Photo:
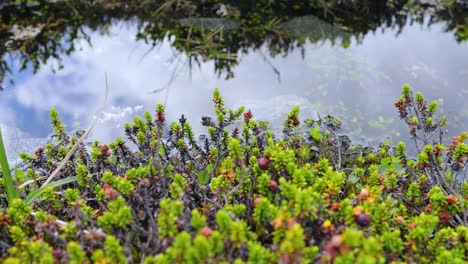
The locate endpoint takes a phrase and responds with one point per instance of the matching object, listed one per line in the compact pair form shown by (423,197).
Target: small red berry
(335,206)
(263,163)
(400,219)
(206,232)
(277,222)
(363,220)
(231,175)
(364,194)
(290,223)
(451,199)
(429,208)
(444,217)
(256,201)
(357,211)
(109,191)
(273,186)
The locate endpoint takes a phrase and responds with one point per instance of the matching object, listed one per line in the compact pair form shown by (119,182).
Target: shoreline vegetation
(240,195)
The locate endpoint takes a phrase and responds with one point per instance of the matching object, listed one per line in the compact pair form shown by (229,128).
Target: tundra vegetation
(241,194)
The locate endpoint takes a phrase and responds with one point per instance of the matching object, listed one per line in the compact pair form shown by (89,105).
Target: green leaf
(203,177)
(383,169)
(361,159)
(345,44)
(353,178)
(315,133)
(36,193)
(386,161)
(19,174)
(12,193)
(448,174)
(399,169)
(161,150)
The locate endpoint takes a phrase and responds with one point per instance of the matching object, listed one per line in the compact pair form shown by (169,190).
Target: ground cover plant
(241,194)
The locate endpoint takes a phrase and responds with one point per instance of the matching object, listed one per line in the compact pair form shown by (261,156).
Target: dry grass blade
(29,182)
(166,6)
(70,153)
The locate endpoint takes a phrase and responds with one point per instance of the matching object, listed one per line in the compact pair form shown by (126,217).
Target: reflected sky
(358,84)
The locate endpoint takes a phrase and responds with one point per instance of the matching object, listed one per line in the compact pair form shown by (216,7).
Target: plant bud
(273,186)
(264,163)
(206,231)
(256,201)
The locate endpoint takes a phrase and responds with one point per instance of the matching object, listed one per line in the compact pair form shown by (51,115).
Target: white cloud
(78,90)
(117,115)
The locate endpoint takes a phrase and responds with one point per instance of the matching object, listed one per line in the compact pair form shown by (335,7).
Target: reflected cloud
(117,114)
(358,83)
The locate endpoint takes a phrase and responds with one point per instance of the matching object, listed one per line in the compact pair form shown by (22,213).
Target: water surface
(357,82)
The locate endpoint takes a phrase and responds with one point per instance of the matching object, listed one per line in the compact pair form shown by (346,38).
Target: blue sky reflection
(358,84)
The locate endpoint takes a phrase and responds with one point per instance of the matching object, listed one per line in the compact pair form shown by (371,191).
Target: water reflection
(330,68)
(219,31)
(358,84)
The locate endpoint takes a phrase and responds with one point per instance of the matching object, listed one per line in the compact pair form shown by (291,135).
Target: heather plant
(244,194)
(13,184)
(443,168)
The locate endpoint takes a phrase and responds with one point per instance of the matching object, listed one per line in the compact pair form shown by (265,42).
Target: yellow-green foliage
(246,197)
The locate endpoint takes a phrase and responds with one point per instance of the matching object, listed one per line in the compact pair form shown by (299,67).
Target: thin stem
(83,137)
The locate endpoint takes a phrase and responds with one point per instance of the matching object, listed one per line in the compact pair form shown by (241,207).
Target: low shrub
(244,194)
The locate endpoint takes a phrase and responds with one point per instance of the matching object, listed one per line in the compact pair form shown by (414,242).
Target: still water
(357,84)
